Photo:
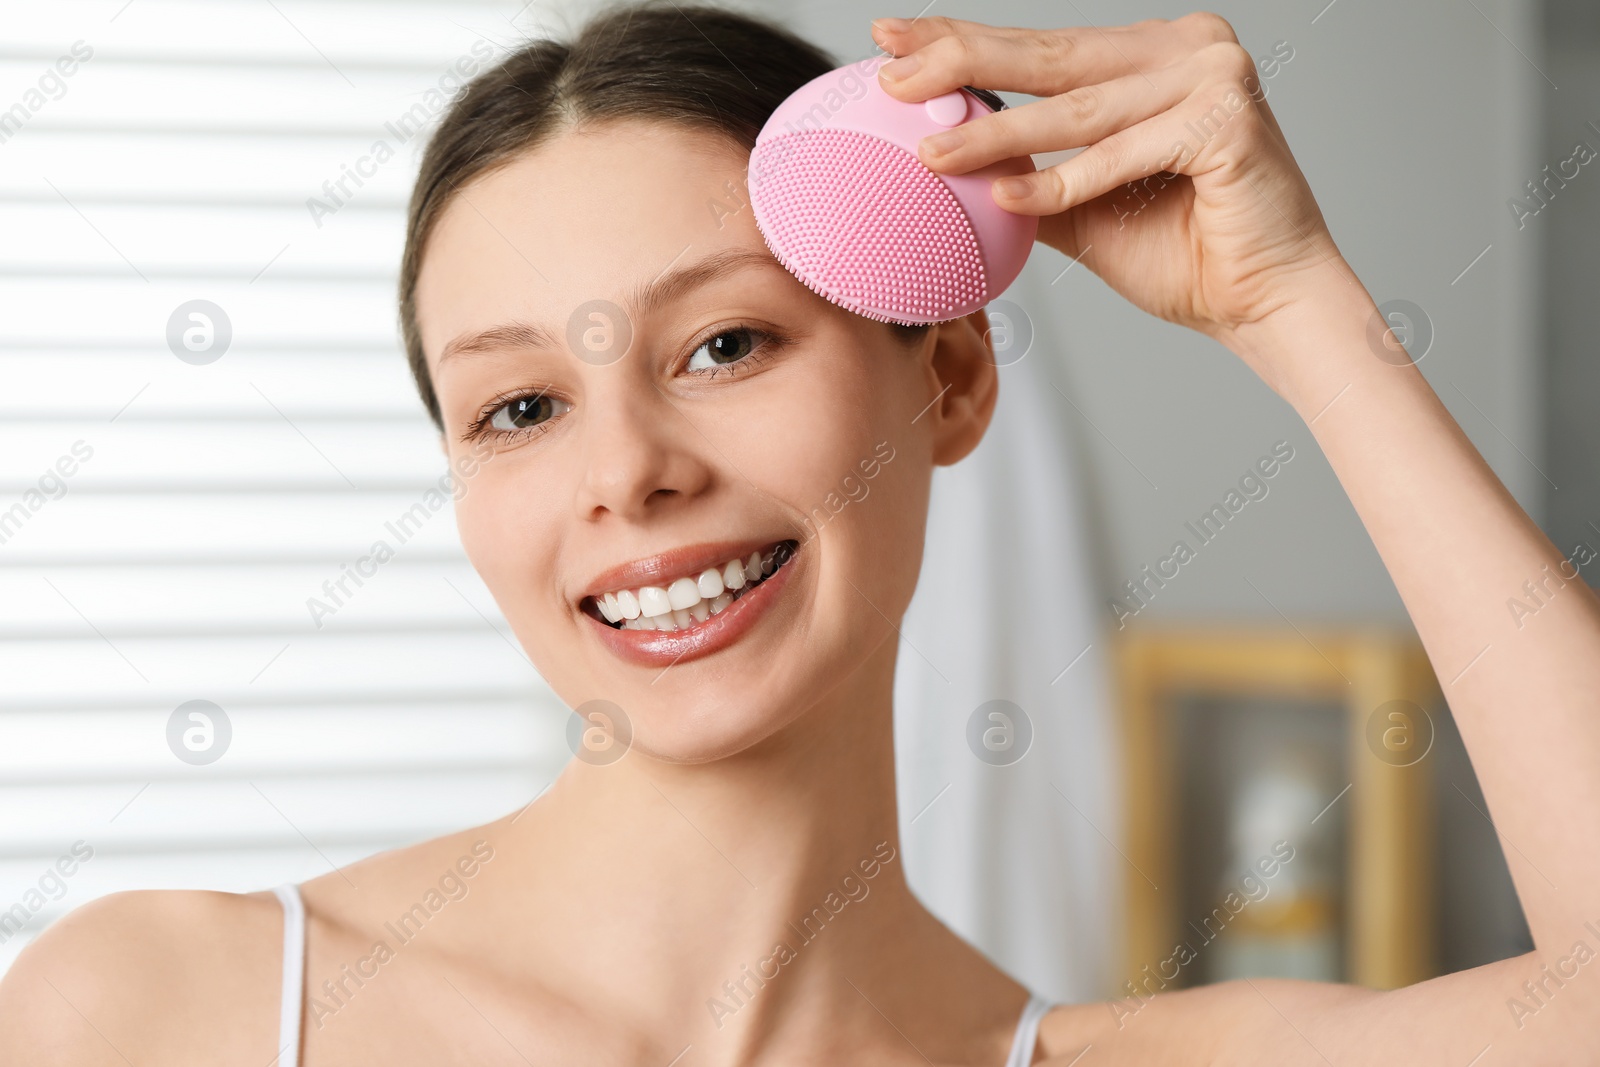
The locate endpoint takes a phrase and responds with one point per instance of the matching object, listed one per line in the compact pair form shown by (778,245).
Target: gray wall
(1414,124)
(1570,279)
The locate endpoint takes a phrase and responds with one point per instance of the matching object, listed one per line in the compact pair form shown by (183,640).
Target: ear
(967,384)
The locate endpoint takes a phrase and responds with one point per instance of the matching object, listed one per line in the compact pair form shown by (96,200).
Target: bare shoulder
(1449,1020)
(156,976)
(182,977)
(1221,1023)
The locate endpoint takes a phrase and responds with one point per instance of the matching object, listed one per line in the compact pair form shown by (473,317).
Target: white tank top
(294,963)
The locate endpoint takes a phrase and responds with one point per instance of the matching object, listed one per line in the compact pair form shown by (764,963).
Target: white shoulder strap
(1027,1031)
(294,950)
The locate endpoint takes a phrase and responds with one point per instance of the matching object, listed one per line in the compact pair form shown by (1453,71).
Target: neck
(736,900)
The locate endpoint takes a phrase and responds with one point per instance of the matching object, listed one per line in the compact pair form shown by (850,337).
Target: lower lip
(662,648)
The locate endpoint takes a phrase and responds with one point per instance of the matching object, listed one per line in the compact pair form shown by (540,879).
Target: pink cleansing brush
(846,206)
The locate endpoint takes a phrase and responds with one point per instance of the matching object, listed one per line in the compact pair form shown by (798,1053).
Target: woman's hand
(1230,239)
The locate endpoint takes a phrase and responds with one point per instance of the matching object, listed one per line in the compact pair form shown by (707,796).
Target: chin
(707,728)
(738,678)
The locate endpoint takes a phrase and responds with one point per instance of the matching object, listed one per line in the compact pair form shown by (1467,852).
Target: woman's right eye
(526,413)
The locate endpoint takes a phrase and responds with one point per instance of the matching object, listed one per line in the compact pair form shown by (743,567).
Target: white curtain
(1020,859)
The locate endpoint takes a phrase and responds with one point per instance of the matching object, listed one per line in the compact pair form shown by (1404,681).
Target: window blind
(170,515)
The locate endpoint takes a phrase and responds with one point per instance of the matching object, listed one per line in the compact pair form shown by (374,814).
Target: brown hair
(698,66)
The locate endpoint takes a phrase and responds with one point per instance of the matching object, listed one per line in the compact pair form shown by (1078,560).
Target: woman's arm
(1526,700)
(1187,201)
(1524,689)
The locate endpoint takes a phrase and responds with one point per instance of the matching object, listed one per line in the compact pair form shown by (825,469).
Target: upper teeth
(686,600)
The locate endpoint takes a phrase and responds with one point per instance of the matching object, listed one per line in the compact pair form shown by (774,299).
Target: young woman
(646,408)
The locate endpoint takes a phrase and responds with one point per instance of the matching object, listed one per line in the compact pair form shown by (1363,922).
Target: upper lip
(663,567)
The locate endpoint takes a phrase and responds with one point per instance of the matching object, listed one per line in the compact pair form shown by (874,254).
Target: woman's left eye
(725,348)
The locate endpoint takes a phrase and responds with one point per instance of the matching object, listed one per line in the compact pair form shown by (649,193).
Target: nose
(641,452)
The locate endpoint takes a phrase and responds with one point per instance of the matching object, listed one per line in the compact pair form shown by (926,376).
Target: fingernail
(1013,187)
(891,25)
(948,141)
(900,69)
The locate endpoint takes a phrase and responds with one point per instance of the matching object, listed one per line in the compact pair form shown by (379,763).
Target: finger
(1183,139)
(950,53)
(1073,119)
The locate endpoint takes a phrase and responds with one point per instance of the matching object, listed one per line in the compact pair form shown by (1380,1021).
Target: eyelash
(767,342)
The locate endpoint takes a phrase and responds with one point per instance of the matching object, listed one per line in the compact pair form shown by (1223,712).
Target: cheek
(884,529)
(820,440)
(811,433)
(476,515)
(506,534)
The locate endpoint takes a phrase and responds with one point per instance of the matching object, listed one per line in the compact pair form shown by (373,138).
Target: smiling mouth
(690,599)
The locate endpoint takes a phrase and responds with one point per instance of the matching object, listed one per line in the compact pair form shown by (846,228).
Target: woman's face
(656,398)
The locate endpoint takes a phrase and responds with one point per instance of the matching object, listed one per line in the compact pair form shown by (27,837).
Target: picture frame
(1385,695)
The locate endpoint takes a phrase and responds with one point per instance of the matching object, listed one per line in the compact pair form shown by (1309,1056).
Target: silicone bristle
(866,225)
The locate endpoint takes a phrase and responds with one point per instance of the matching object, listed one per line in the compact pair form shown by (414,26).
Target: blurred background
(206,420)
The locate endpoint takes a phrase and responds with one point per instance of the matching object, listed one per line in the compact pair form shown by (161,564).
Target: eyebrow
(643,298)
